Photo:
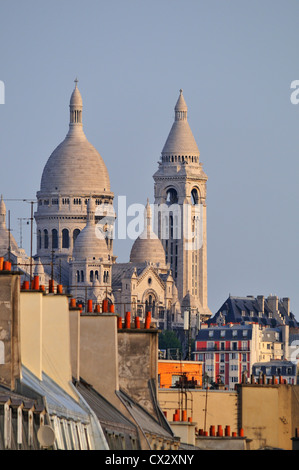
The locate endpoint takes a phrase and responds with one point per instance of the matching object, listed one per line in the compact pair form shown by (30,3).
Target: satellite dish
(46,436)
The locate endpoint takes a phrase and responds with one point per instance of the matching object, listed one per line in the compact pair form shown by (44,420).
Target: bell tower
(180,212)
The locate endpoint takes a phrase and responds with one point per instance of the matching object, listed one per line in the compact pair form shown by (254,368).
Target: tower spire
(76,106)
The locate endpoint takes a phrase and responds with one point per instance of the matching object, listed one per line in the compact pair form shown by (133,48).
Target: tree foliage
(168,339)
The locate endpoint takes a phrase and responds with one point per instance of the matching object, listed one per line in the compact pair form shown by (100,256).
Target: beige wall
(75,341)
(269,414)
(56,341)
(221,406)
(98,354)
(45,337)
(31,304)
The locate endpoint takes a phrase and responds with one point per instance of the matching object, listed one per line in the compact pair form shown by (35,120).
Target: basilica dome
(147,247)
(75,166)
(90,243)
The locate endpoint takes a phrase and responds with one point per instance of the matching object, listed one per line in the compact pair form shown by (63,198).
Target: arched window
(39,239)
(194,196)
(150,304)
(78,276)
(96,274)
(46,239)
(75,234)
(171,196)
(91,276)
(82,276)
(65,238)
(54,238)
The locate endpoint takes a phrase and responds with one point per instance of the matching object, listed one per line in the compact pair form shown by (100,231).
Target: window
(194,197)
(65,238)
(171,196)
(54,238)
(245,332)
(39,240)
(46,239)
(234,346)
(91,276)
(75,234)
(222,358)
(222,333)
(211,333)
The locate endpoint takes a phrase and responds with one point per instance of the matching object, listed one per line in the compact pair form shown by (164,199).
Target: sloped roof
(144,419)
(241,309)
(104,410)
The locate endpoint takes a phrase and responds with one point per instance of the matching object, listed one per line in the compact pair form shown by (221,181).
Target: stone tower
(180,212)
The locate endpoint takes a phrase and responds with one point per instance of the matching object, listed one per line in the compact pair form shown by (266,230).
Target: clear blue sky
(235,61)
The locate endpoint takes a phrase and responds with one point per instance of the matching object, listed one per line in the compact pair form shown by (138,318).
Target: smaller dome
(147,247)
(76,98)
(181,103)
(90,243)
(180,140)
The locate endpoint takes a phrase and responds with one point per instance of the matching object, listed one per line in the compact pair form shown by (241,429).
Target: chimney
(99,359)
(261,303)
(273,303)
(286,304)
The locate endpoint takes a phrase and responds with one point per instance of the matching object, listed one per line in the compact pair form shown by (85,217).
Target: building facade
(229,351)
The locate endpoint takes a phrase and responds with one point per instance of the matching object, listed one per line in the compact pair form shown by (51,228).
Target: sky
(235,61)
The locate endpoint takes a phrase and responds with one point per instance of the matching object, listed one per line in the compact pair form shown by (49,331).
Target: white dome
(180,140)
(75,166)
(147,247)
(90,243)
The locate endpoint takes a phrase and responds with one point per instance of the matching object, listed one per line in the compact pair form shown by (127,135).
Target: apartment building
(230,350)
